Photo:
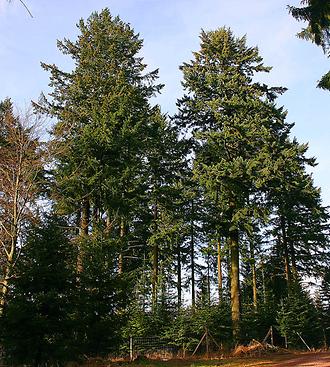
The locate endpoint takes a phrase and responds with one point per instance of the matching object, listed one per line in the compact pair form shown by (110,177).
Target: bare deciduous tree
(20,170)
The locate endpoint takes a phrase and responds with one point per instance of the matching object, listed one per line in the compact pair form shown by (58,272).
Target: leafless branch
(27,9)
(25,6)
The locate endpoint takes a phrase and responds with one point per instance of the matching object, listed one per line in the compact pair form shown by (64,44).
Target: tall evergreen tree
(298,318)
(299,218)
(165,173)
(38,326)
(317,15)
(103,118)
(237,133)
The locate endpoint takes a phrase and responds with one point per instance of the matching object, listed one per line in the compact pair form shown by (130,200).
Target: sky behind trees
(170,31)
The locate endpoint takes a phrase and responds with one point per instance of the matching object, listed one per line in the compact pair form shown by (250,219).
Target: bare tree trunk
(78,222)
(83,232)
(109,222)
(179,282)
(287,269)
(219,264)
(254,275)
(234,286)
(4,290)
(294,270)
(96,217)
(85,214)
(192,258)
(263,282)
(122,232)
(155,255)
(20,164)
(13,234)
(208,278)
(228,264)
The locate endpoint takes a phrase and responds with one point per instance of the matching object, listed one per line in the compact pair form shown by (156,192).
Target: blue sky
(170,30)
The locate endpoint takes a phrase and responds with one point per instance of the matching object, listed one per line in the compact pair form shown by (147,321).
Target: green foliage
(324,82)
(238,136)
(300,219)
(186,330)
(55,316)
(236,128)
(100,299)
(298,316)
(149,201)
(256,322)
(38,324)
(103,116)
(317,15)
(323,305)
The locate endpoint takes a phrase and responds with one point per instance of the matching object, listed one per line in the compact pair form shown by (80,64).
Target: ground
(311,359)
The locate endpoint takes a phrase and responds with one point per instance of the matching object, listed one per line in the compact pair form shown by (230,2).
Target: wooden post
(200,342)
(267,336)
(207,343)
(271,336)
(303,341)
(215,342)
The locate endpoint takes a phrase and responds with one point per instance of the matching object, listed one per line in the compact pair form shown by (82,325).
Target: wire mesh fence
(151,346)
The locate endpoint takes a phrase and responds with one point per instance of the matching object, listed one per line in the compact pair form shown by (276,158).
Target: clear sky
(170,30)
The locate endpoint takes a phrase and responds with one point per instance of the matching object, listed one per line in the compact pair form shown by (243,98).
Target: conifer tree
(103,117)
(317,15)
(165,169)
(300,219)
(235,127)
(39,326)
(297,318)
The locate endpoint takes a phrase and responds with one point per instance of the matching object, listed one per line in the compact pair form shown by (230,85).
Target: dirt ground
(311,359)
(306,360)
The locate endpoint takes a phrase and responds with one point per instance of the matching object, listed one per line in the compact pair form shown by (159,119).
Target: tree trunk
(122,232)
(11,251)
(286,253)
(109,223)
(4,290)
(294,272)
(96,218)
(228,265)
(263,282)
(155,255)
(179,277)
(192,258)
(78,223)
(254,275)
(83,231)
(234,286)
(85,214)
(219,264)
(208,280)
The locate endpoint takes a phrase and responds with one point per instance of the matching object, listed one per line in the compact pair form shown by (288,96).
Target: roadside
(310,359)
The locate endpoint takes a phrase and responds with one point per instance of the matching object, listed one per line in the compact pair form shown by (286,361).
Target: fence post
(271,336)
